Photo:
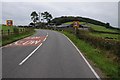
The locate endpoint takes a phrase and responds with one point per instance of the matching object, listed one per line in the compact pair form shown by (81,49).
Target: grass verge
(98,57)
(15,37)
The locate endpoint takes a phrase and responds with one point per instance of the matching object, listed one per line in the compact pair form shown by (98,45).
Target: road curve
(55,58)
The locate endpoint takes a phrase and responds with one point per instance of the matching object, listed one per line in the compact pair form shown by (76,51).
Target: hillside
(64,19)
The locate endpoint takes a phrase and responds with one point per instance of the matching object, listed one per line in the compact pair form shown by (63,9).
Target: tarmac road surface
(47,54)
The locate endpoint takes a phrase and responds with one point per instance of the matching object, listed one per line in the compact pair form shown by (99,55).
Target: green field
(72,23)
(101,28)
(11,28)
(106,36)
(95,27)
(5,28)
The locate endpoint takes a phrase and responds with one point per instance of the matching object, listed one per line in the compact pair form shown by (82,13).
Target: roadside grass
(15,37)
(11,28)
(105,36)
(5,28)
(98,57)
(11,38)
(100,28)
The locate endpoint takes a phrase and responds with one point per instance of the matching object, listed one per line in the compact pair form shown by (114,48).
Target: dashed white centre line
(33,52)
(30,54)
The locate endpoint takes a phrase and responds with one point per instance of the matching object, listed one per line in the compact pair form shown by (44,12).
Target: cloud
(60,0)
(20,11)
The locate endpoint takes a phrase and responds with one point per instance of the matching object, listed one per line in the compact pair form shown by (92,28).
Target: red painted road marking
(29,41)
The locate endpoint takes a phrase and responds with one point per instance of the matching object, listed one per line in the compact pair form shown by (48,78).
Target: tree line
(45,18)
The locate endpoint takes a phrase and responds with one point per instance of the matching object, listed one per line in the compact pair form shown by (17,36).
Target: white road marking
(10,44)
(36,42)
(84,59)
(30,55)
(18,42)
(45,37)
(23,61)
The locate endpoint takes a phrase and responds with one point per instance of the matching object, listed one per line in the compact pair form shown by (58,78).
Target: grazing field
(106,36)
(101,28)
(72,23)
(11,28)
(104,32)
(5,28)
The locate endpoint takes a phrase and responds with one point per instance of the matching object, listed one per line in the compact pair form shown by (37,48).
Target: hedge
(106,44)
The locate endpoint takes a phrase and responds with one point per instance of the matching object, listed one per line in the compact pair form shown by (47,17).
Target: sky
(19,11)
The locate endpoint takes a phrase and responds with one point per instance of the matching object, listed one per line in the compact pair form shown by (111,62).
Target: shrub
(105,44)
(16,30)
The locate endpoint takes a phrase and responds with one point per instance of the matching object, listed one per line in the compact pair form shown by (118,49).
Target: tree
(34,17)
(107,25)
(46,16)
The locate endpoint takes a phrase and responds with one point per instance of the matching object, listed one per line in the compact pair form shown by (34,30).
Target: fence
(14,31)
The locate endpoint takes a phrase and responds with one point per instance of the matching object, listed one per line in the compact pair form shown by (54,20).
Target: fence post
(2,32)
(8,31)
(20,30)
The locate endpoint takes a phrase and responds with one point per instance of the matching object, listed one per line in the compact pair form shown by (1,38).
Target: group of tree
(38,19)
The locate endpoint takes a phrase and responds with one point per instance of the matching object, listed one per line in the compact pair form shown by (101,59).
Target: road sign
(9,22)
(76,24)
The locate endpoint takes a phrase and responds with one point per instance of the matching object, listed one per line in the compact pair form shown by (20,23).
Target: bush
(100,42)
(16,30)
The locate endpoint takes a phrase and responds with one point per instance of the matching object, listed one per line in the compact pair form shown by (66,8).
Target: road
(47,54)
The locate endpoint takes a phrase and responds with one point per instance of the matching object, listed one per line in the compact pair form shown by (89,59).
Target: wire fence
(11,32)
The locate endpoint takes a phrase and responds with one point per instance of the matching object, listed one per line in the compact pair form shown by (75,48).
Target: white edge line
(30,54)
(84,59)
(33,52)
(47,35)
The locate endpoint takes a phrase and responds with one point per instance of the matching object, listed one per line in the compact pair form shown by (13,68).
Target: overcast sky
(20,11)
